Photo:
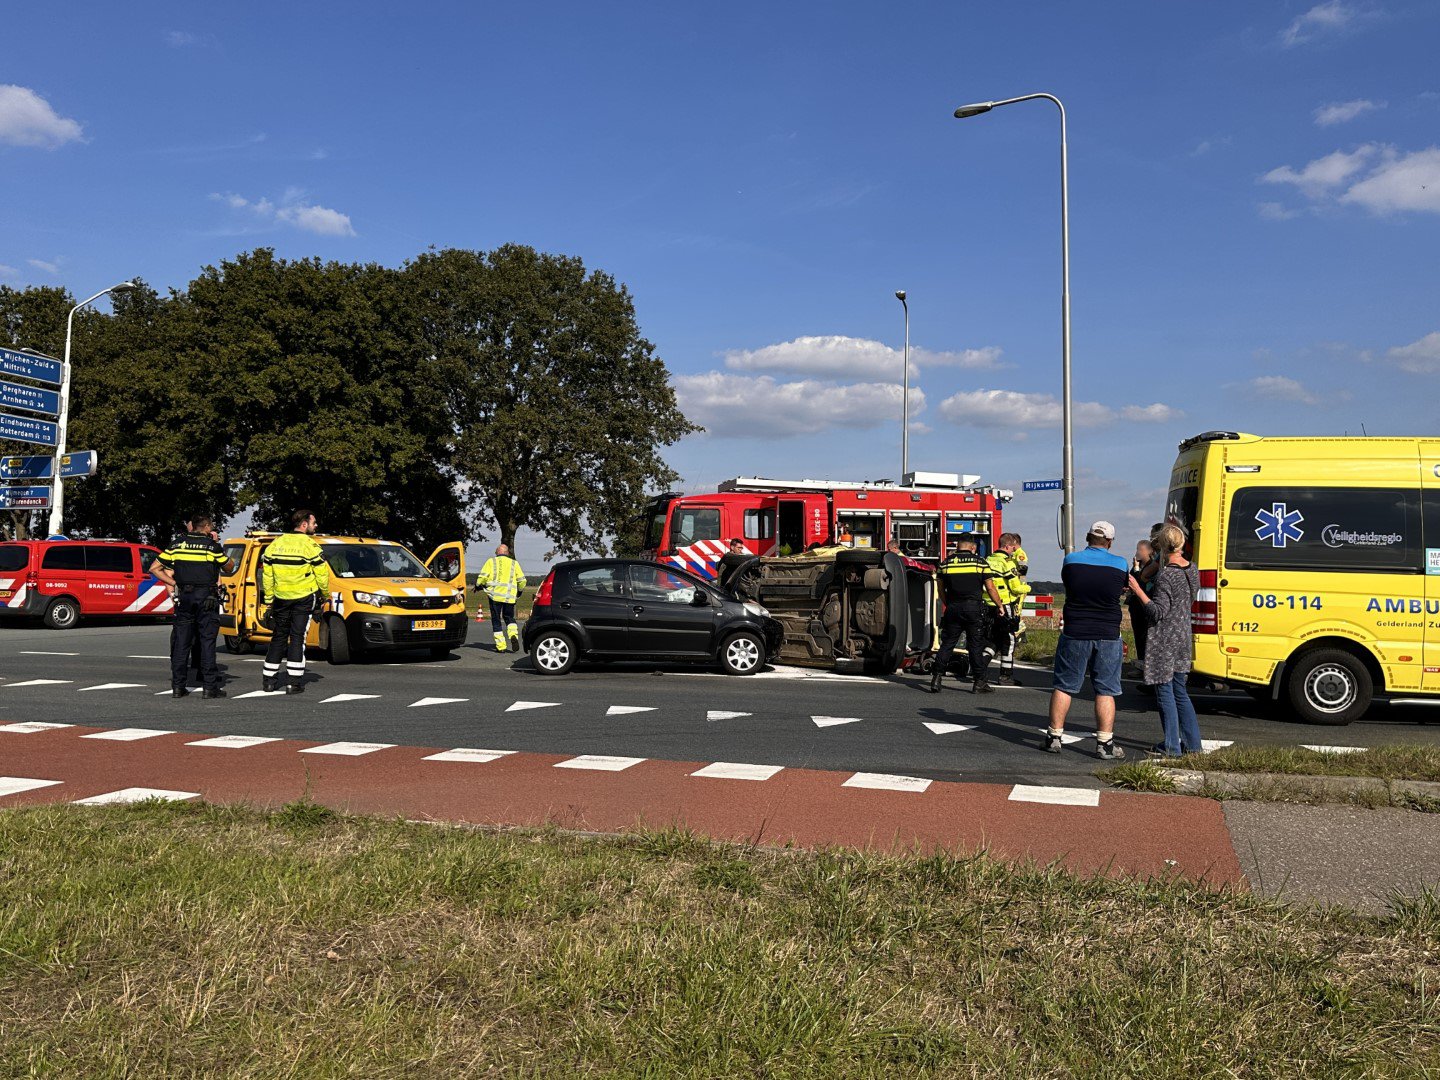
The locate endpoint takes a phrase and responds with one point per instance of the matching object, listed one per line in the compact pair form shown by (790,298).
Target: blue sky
(1255,203)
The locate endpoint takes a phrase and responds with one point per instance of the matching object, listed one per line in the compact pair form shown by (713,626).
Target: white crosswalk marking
(1065,737)
(437,701)
(832,721)
(721,714)
(235,742)
(39,682)
(14,785)
(886,782)
(136,794)
(602,762)
(1056,796)
(127,734)
(348,749)
(42,652)
(337,698)
(626,710)
(1320,749)
(113,686)
(465,753)
(521,706)
(30,727)
(946,729)
(192,689)
(1211,745)
(260,693)
(734,770)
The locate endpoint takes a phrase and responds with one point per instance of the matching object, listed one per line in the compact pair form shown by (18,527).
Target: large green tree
(558,406)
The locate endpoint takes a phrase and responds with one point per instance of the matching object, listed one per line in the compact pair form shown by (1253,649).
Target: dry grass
(1406,762)
(191,940)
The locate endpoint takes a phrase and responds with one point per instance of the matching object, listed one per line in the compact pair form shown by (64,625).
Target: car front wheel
(553,653)
(742,655)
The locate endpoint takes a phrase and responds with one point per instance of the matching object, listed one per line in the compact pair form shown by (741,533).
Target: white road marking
(192,689)
(235,742)
(831,721)
(602,762)
(1066,738)
(139,657)
(786,673)
(14,785)
(465,753)
(721,714)
(1334,749)
(886,782)
(137,794)
(348,749)
(1056,796)
(625,710)
(127,734)
(1211,745)
(946,729)
(260,693)
(30,727)
(521,706)
(335,698)
(39,682)
(113,686)
(437,701)
(734,770)
(42,652)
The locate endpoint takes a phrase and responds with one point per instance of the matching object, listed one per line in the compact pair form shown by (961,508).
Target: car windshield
(373,560)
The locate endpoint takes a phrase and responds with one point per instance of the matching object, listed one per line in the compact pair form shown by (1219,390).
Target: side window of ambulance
(64,557)
(1359,530)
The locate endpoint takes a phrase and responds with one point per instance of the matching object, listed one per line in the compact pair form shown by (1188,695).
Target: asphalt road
(786,717)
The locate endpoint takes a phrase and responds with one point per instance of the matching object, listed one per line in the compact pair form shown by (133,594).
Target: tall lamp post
(1068,531)
(905,394)
(57,504)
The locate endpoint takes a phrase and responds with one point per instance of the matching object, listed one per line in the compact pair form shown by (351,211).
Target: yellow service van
(381,597)
(1319,564)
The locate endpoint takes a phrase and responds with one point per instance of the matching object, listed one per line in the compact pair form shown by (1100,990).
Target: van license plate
(6,594)
(428,624)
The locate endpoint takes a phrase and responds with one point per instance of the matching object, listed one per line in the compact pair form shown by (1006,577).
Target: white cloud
(1157,413)
(835,356)
(743,406)
(1327,18)
(1019,412)
(26,119)
(8,271)
(291,210)
(44,267)
(1419,357)
(1274,211)
(1400,182)
(1280,388)
(1324,173)
(1341,112)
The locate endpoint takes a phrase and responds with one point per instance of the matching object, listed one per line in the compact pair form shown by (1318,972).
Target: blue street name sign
(19,396)
(80,463)
(25,498)
(44,369)
(28,429)
(1043,485)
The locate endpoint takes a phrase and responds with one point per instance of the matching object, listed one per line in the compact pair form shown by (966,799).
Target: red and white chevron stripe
(153,601)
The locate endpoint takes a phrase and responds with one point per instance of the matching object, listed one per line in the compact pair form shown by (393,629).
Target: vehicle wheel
(337,640)
(742,655)
(925,664)
(62,614)
(439,652)
(1329,686)
(234,643)
(553,653)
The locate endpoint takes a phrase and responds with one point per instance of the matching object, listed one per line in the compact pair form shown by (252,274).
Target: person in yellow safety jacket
(503,581)
(1010,583)
(296,582)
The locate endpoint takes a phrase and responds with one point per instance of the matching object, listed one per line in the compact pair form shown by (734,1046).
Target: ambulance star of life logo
(1279,525)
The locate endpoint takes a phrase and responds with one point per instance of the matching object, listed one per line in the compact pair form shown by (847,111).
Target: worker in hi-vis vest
(502,579)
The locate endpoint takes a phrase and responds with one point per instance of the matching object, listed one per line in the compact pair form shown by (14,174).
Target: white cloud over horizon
(1331,17)
(44,265)
(1420,357)
(1280,388)
(1018,412)
(291,210)
(1341,112)
(836,356)
(759,406)
(27,119)
(1375,176)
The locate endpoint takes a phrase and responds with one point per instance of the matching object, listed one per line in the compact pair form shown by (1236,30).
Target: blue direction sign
(28,429)
(24,498)
(19,396)
(44,369)
(1043,485)
(80,463)
(72,466)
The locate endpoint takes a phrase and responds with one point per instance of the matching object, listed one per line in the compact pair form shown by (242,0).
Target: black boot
(935,677)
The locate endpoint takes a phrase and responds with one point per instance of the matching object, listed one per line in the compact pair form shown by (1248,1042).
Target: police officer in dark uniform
(965,577)
(191,567)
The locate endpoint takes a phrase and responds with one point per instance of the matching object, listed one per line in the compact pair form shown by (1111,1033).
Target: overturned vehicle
(853,610)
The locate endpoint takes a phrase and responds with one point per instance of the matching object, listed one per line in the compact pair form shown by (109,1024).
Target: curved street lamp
(57,504)
(965,111)
(905,394)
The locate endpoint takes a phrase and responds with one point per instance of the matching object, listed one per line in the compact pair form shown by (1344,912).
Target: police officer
(297,584)
(502,579)
(191,568)
(965,578)
(1003,617)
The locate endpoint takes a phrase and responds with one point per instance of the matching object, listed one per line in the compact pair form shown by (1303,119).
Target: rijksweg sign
(1042,485)
(44,369)
(28,429)
(19,396)
(24,498)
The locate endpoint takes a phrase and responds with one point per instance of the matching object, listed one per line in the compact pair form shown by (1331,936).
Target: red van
(63,581)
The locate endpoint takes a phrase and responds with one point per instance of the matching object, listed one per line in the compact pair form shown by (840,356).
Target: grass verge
(187,939)
(1384,762)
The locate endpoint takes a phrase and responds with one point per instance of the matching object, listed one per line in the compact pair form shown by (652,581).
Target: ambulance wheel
(742,654)
(337,640)
(62,614)
(1329,686)
(234,643)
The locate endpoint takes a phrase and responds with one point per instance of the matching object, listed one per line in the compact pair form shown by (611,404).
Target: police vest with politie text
(963,577)
(195,562)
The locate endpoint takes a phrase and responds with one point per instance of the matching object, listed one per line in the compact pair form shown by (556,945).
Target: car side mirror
(700,599)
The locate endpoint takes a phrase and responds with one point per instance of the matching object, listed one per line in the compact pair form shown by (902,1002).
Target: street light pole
(57,503)
(905,394)
(1068,530)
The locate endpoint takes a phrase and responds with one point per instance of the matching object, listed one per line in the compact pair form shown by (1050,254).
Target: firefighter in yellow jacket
(503,580)
(296,580)
(1010,583)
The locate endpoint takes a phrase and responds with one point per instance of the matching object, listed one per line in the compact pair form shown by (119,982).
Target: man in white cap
(1095,580)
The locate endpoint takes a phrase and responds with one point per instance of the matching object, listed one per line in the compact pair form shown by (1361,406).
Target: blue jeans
(1178,722)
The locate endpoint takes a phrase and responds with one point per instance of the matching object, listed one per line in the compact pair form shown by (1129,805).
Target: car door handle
(638,609)
(565,604)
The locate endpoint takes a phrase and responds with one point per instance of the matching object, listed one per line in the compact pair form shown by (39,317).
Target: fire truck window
(689,524)
(14,557)
(759,524)
(63,557)
(655,530)
(109,560)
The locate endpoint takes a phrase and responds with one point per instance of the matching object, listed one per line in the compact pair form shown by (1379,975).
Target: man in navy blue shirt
(1095,580)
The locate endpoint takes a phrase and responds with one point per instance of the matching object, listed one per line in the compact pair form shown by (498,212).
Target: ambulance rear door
(1430,493)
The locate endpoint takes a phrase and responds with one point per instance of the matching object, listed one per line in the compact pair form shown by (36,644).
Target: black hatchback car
(618,609)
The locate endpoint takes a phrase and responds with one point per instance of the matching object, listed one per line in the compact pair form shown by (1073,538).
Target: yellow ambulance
(381,597)
(1319,564)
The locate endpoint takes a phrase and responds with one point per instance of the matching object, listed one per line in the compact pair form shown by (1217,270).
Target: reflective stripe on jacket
(195,560)
(1007,578)
(294,567)
(501,578)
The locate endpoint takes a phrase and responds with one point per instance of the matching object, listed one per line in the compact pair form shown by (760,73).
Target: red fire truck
(926,514)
